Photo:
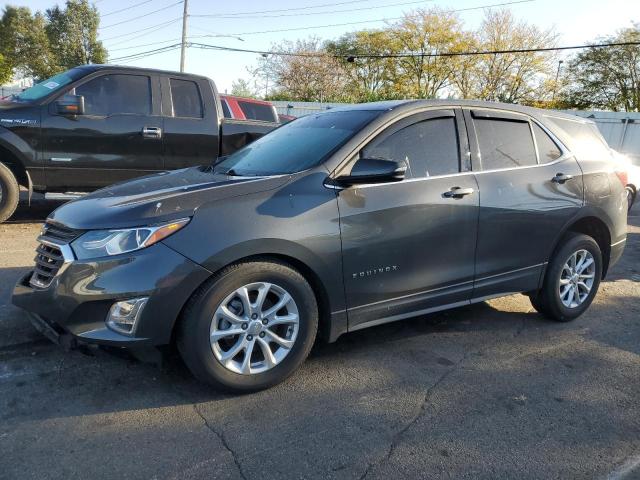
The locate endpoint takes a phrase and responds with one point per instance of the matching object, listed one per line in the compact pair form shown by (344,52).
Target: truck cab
(96,125)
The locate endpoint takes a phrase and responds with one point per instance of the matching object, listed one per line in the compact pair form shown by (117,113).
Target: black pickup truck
(95,125)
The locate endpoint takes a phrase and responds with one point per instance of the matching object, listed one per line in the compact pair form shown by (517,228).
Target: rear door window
(186,99)
(548,150)
(114,94)
(505,143)
(429,148)
(257,111)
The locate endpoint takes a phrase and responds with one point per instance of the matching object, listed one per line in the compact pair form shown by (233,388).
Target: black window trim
(488,113)
(171,112)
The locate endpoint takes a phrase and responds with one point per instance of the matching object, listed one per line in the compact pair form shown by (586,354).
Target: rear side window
(505,143)
(225,109)
(257,111)
(186,99)
(584,139)
(548,151)
(429,148)
(116,94)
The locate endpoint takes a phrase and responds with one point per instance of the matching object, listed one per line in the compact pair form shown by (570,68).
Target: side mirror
(70,105)
(373,170)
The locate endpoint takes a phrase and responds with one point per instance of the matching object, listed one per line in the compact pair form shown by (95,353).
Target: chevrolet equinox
(333,223)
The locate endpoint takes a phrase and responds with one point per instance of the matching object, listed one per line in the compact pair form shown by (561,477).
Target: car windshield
(297,146)
(46,87)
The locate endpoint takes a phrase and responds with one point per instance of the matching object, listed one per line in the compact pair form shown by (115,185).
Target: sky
(246,24)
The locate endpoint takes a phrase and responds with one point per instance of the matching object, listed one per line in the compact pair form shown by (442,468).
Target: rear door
(119,136)
(409,246)
(530,188)
(191,125)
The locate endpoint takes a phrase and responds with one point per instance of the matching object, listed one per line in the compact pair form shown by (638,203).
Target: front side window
(429,148)
(186,99)
(257,111)
(115,94)
(505,143)
(298,145)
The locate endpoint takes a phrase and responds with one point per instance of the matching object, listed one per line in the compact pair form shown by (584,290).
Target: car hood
(157,198)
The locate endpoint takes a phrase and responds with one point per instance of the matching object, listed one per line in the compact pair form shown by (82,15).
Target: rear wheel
(9,193)
(572,279)
(249,327)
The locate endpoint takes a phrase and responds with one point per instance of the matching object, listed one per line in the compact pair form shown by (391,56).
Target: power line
(148,53)
(503,4)
(235,17)
(414,54)
(102,15)
(157,27)
(132,19)
(295,8)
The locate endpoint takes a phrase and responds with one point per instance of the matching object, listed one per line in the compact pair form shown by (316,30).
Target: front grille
(48,260)
(58,232)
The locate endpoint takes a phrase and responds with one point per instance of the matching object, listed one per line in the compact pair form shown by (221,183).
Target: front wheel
(572,279)
(249,327)
(9,193)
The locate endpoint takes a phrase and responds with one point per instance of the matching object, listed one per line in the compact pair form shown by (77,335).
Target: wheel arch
(14,154)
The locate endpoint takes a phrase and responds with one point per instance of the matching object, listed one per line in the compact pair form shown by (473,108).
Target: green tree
(242,88)
(6,72)
(606,78)
(73,34)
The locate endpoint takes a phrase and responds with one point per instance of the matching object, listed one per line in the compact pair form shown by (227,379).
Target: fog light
(124,315)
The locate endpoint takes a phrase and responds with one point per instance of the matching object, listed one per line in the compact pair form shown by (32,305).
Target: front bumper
(74,307)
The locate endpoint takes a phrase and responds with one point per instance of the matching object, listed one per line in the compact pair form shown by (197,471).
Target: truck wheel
(572,279)
(249,327)
(9,193)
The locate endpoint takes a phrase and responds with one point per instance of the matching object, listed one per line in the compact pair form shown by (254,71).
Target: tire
(631,197)
(548,300)
(204,317)
(9,193)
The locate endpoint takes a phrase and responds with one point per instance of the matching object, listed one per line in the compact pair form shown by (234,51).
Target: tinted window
(547,148)
(429,148)
(505,143)
(116,94)
(298,145)
(584,139)
(225,109)
(257,111)
(185,96)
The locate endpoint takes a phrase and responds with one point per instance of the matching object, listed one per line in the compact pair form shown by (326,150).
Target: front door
(409,246)
(530,189)
(119,136)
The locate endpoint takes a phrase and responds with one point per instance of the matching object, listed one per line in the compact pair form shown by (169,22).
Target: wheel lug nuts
(249,337)
(261,334)
(245,326)
(254,316)
(265,321)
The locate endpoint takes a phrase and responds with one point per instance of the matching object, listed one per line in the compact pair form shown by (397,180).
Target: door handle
(561,178)
(457,192)
(152,132)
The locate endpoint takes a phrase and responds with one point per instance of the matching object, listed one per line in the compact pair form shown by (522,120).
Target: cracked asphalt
(487,391)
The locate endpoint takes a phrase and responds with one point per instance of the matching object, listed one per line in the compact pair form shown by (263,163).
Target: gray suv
(333,223)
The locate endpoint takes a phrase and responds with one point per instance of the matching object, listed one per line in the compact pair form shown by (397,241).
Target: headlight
(103,243)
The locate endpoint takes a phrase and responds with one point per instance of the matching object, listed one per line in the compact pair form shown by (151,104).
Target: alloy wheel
(254,328)
(576,278)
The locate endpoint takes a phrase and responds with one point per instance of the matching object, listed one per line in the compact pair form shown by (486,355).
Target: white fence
(620,129)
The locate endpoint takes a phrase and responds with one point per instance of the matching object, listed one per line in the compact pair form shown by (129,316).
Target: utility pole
(555,85)
(184,34)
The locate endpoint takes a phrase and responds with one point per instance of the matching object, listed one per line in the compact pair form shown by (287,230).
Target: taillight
(623,176)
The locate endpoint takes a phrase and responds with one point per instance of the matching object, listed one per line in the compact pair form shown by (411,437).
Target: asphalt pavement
(487,391)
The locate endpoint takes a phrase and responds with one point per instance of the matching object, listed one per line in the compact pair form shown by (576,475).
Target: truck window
(186,99)
(505,143)
(114,94)
(257,111)
(225,109)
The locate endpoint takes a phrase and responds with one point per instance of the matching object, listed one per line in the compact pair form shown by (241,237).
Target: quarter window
(429,148)
(548,151)
(116,94)
(505,143)
(186,99)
